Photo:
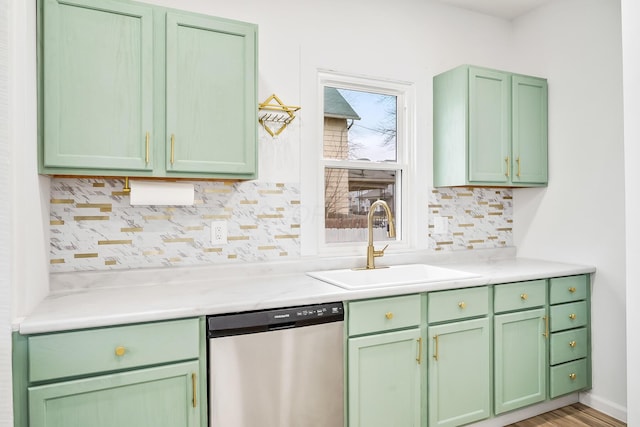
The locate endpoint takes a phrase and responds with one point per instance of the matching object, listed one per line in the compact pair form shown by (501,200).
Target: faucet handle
(380,252)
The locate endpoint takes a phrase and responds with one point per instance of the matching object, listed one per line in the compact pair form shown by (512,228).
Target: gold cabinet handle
(518,162)
(506,159)
(146,143)
(419,358)
(572,316)
(572,344)
(435,355)
(173,147)
(120,351)
(572,376)
(194,383)
(572,289)
(524,297)
(546,327)
(462,305)
(388,315)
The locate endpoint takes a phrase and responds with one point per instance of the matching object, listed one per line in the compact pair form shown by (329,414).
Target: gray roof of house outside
(336,106)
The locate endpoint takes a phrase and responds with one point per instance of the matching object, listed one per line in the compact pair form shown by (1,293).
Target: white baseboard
(603,405)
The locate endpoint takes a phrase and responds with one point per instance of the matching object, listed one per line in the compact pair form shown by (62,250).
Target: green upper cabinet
(129,89)
(211,95)
(97,85)
(489,128)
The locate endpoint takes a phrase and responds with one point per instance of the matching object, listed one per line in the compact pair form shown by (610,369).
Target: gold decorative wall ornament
(275,116)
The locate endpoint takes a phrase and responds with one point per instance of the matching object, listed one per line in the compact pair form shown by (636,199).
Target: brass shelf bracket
(275,116)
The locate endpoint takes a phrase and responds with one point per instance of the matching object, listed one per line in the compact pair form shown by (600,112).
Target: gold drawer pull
(194,385)
(572,316)
(419,358)
(120,351)
(572,289)
(506,159)
(462,305)
(546,327)
(173,145)
(435,356)
(146,148)
(389,315)
(572,376)
(572,344)
(524,297)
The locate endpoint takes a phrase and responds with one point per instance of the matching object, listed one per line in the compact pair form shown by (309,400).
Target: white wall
(631,70)
(5,231)
(580,217)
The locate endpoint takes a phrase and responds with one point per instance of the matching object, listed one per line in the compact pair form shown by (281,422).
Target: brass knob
(524,296)
(120,350)
(462,304)
(572,316)
(389,315)
(572,376)
(572,289)
(572,344)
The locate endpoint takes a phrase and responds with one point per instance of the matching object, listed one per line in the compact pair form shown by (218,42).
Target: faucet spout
(371,252)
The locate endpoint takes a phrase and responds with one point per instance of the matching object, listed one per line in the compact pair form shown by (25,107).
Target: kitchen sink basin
(396,275)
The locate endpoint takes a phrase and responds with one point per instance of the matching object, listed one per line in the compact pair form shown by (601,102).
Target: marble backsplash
(93,226)
(477,218)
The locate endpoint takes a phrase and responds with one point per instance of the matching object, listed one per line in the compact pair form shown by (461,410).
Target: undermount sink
(396,275)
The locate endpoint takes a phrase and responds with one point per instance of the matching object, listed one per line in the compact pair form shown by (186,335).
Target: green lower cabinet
(459,380)
(159,397)
(384,379)
(520,349)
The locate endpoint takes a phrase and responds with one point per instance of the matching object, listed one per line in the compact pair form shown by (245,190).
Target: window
(364,157)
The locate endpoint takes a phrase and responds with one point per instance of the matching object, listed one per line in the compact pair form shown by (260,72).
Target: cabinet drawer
(383,314)
(568,345)
(568,377)
(84,352)
(567,316)
(458,304)
(568,289)
(519,296)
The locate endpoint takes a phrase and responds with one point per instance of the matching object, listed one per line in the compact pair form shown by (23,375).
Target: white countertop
(93,299)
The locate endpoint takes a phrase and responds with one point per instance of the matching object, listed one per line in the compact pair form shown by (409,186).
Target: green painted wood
(450,124)
(76,353)
(97,82)
(568,289)
(520,362)
(203,361)
(384,314)
(159,397)
(568,316)
(519,296)
(20,368)
(211,95)
(457,304)
(459,380)
(529,127)
(489,126)
(569,345)
(561,380)
(384,380)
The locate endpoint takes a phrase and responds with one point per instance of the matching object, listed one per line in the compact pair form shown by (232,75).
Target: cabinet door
(489,126)
(529,137)
(211,96)
(459,373)
(97,83)
(384,379)
(159,397)
(519,359)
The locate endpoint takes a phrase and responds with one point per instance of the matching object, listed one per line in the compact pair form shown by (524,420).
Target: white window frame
(404,93)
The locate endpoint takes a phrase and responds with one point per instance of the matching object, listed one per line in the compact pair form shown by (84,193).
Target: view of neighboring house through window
(360,139)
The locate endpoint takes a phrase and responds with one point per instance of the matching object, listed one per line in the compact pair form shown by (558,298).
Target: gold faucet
(371,252)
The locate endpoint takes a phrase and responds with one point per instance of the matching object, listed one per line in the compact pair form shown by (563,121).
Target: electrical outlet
(219,233)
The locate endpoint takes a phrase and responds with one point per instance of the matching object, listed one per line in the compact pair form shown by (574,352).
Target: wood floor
(571,416)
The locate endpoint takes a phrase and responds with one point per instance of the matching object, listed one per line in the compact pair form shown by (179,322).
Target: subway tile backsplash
(93,226)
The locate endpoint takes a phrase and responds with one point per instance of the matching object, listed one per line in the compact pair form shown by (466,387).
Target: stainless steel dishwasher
(277,368)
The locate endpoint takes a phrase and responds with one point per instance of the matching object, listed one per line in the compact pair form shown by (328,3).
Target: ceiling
(507,9)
